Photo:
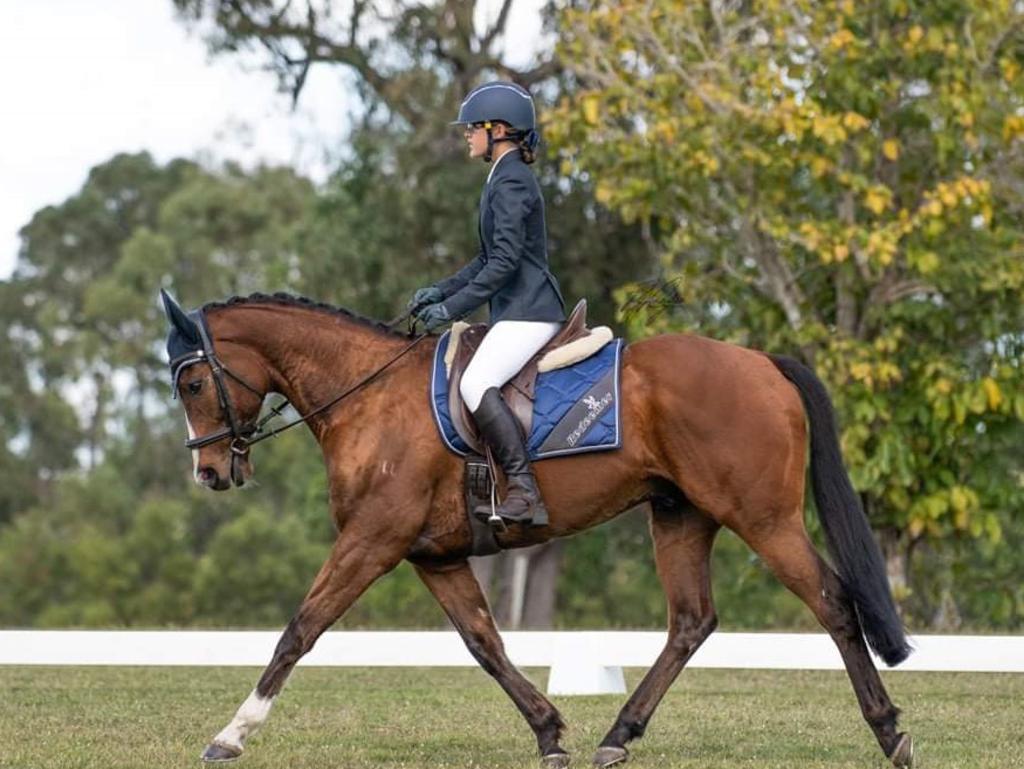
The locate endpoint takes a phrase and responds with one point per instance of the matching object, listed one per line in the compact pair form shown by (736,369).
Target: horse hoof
(554,761)
(218,753)
(610,756)
(903,755)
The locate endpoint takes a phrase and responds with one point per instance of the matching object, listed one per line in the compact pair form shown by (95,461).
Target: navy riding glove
(434,316)
(423,297)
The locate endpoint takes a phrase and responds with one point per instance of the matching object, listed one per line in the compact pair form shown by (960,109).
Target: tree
(83,334)
(400,212)
(402,205)
(64,250)
(82,296)
(840,180)
(410,57)
(265,585)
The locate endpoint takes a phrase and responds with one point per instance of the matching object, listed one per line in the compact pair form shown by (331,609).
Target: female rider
(511,273)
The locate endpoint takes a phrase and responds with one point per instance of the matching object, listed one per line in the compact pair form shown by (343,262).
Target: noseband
(240,434)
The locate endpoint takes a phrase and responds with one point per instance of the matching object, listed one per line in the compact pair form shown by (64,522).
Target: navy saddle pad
(575,409)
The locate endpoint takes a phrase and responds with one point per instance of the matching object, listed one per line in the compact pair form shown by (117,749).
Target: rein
(243,437)
(276,411)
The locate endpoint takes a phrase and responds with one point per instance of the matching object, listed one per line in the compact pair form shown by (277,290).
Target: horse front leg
(456,588)
(354,563)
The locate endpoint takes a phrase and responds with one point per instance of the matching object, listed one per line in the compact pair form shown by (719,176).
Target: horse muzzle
(236,473)
(209,478)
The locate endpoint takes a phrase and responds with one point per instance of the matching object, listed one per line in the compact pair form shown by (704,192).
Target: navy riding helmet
(504,101)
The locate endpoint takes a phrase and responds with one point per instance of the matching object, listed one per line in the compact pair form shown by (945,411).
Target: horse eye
(195,387)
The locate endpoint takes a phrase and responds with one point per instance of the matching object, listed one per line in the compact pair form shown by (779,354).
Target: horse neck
(311,356)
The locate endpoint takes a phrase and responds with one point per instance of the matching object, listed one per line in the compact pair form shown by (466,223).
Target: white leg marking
(247,720)
(195,452)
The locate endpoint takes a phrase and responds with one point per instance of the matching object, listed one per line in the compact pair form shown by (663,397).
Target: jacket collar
(494,165)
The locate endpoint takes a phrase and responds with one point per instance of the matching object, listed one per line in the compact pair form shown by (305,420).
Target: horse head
(221,389)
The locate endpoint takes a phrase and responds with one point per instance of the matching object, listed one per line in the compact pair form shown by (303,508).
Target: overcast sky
(85,79)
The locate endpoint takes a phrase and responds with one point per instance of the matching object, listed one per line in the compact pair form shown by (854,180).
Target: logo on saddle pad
(595,407)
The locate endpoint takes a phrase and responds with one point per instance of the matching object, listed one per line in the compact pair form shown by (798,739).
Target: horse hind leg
(682,537)
(786,550)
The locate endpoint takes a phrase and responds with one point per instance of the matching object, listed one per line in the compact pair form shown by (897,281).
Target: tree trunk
(542,585)
(895,554)
(521,585)
(96,433)
(947,617)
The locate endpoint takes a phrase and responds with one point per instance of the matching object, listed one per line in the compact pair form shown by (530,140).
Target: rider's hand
(434,316)
(423,297)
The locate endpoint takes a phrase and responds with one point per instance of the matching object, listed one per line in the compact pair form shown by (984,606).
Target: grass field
(346,718)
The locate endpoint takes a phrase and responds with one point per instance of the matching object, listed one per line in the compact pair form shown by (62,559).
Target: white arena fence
(581,662)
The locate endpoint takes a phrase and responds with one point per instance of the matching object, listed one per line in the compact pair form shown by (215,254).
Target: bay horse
(714,435)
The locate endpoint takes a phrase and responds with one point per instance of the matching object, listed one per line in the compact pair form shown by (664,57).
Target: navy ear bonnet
(185,339)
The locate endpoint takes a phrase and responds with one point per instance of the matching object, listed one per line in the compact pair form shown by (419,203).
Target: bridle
(240,434)
(244,436)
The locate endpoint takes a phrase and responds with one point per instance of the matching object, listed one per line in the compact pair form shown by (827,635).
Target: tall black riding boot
(500,431)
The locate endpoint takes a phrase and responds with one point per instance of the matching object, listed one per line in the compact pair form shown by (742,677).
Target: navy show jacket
(511,269)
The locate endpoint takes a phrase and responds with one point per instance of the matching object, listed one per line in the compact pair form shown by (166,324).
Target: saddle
(573,342)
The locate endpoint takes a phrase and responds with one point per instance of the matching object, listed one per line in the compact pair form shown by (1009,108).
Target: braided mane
(305,303)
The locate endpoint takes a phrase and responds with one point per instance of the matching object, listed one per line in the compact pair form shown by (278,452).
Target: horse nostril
(207,476)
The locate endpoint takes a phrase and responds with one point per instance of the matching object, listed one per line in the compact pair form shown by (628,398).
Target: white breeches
(506,348)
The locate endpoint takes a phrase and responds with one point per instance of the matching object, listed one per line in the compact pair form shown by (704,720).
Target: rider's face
(476,138)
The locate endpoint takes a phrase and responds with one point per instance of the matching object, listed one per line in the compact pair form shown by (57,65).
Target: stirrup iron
(495,521)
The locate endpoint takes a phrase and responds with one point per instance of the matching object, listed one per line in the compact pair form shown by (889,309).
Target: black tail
(847,533)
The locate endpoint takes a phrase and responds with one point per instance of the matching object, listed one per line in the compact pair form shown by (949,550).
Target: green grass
(346,718)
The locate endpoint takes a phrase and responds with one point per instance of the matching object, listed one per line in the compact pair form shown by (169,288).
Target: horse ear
(179,320)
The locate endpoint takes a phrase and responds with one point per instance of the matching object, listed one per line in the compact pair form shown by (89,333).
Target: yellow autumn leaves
(955,401)
(959,505)
(1013,128)
(881,374)
(883,241)
(877,198)
(992,392)
(965,190)
(833,129)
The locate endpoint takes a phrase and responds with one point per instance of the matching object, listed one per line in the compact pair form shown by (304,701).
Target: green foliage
(839,180)
(400,211)
(97,555)
(397,600)
(394,217)
(608,578)
(255,570)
